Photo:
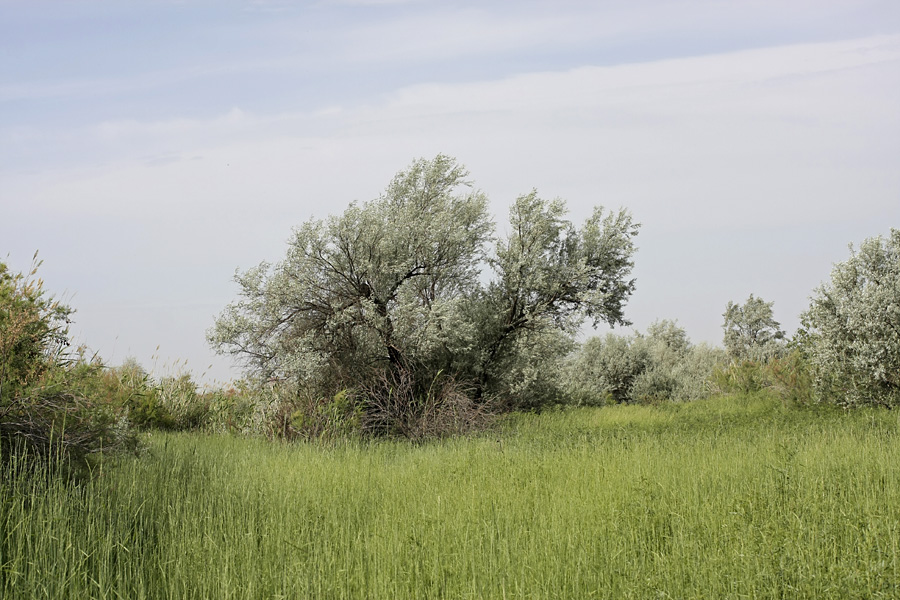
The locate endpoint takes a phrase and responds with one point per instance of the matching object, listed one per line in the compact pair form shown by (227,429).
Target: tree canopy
(404,282)
(852,335)
(751,331)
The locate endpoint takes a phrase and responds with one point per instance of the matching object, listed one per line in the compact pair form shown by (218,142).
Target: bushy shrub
(792,378)
(169,403)
(741,377)
(693,372)
(852,337)
(532,375)
(660,365)
(604,369)
(392,405)
(231,409)
(33,331)
(129,389)
(47,411)
(180,398)
(787,375)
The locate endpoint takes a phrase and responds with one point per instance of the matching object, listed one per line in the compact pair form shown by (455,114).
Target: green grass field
(724,498)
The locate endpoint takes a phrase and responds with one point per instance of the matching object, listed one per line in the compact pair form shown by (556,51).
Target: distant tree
(659,365)
(396,284)
(751,331)
(852,327)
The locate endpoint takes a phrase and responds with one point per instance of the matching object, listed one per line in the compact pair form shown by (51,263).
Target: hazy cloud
(751,169)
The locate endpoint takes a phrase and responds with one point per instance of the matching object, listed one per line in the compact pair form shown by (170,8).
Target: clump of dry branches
(394,403)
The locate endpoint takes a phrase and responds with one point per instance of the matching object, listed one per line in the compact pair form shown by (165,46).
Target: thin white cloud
(737,113)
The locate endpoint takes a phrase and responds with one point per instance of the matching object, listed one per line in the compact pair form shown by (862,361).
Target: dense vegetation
(49,410)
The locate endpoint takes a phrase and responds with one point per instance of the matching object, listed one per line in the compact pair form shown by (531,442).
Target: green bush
(181,399)
(49,411)
(604,369)
(741,377)
(324,418)
(660,365)
(230,409)
(789,376)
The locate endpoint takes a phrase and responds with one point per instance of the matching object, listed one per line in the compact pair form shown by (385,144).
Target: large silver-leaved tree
(853,327)
(402,283)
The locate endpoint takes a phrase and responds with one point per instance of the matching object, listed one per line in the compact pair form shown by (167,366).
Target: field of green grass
(722,498)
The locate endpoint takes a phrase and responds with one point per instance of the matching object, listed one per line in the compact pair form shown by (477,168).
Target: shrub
(741,377)
(793,379)
(230,409)
(179,397)
(394,404)
(661,365)
(47,410)
(604,369)
(788,376)
(852,337)
(693,372)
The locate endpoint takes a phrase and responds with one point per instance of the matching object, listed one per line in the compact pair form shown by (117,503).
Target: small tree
(605,368)
(395,284)
(853,327)
(751,331)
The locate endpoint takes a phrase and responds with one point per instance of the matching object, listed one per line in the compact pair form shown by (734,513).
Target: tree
(751,331)
(852,327)
(396,284)
(375,286)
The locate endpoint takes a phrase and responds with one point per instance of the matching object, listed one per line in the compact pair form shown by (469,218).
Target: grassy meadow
(731,497)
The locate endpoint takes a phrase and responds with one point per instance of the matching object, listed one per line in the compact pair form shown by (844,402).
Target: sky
(150,149)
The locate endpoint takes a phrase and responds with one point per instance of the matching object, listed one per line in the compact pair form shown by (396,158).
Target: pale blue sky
(147,149)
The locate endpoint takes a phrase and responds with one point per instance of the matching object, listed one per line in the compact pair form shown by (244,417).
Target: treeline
(410,316)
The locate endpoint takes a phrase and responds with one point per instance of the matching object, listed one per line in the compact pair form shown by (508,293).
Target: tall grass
(723,498)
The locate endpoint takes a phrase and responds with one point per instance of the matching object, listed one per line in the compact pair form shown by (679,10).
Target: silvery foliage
(396,282)
(668,369)
(532,371)
(550,276)
(853,327)
(659,365)
(605,367)
(751,331)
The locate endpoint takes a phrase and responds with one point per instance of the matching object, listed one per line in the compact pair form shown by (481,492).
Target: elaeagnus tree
(751,331)
(852,327)
(417,281)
